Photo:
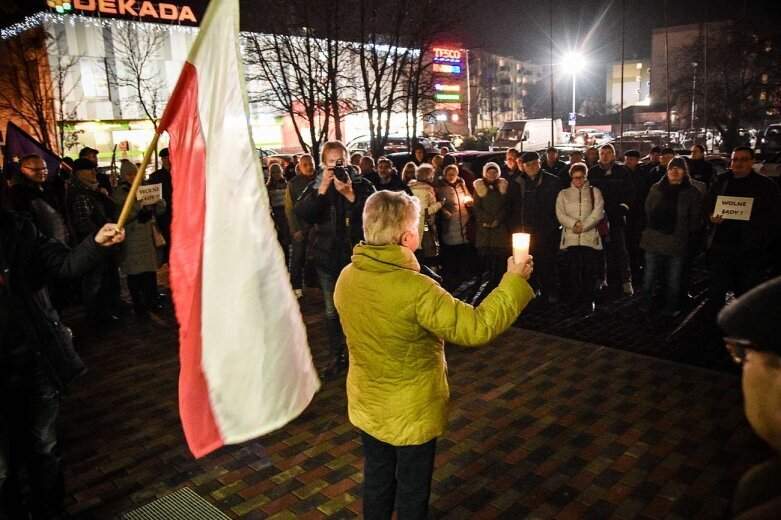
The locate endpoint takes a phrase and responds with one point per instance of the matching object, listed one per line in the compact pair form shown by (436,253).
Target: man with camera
(334,202)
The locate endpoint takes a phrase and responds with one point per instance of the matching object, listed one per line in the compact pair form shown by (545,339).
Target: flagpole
(131,196)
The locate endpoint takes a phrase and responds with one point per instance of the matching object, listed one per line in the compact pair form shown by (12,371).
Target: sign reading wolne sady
(733,208)
(149,194)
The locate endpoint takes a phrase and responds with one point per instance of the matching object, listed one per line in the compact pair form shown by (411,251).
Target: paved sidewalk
(540,427)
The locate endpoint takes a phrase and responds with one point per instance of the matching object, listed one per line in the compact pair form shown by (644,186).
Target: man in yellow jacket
(397,390)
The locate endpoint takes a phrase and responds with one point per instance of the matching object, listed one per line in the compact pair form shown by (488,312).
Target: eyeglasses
(44,169)
(737,348)
(576,177)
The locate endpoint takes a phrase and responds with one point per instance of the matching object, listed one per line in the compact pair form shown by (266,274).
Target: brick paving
(541,427)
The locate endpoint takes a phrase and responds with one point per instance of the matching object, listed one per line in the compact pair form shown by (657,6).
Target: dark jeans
(545,276)
(736,271)
(100,288)
(333,326)
(143,290)
(283,231)
(633,234)
(399,474)
(29,405)
(617,257)
(298,260)
(667,269)
(584,268)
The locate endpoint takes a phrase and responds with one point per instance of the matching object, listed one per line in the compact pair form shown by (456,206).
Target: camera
(340,171)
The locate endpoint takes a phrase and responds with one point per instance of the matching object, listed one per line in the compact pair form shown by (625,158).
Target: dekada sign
(145,9)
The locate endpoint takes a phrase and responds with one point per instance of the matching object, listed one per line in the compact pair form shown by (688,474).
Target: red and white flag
(246,368)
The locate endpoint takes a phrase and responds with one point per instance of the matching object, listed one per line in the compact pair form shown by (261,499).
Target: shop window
(93,78)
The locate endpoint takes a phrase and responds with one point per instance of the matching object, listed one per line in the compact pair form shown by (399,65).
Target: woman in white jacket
(579,209)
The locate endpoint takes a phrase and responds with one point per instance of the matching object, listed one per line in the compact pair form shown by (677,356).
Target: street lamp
(573,61)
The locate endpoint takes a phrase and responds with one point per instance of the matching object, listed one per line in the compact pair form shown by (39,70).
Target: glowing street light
(573,61)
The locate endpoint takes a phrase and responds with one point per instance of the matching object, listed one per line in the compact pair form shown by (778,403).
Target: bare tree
(298,72)
(743,82)
(63,89)
(136,67)
(25,93)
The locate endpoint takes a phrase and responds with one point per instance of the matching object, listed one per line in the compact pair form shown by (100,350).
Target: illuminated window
(93,78)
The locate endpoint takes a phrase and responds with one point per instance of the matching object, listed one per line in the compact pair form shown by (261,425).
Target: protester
(336,208)
(408,172)
(615,183)
(653,159)
(592,157)
(512,167)
(138,254)
(91,154)
(277,188)
(385,178)
(89,208)
(553,165)
(738,249)
(396,321)
(423,189)
(163,177)
(37,361)
(492,235)
(367,167)
(752,326)
(700,169)
(456,252)
(291,167)
(30,194)
(436,162)
(579,209)
(673,210)
(658,172)
(419,155)
(635,217)
(299,229)
(532,209)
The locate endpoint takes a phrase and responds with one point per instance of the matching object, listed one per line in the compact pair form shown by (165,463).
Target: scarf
(664,214)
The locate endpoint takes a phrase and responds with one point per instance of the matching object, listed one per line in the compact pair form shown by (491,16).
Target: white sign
(149,194)
(733,208)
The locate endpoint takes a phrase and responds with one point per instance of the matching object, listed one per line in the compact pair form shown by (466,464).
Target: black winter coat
(338,222)
(617,189)
(532,205)
(28,259)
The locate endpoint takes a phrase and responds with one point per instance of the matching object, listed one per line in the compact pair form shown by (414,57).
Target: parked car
(770,141)
(394,144)
(264,154)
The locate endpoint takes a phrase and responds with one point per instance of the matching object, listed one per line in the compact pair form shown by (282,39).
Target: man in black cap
(658,173)
(163,176)
(654,159)
(613,180)
(89,208)
(553,165)
(91,155)
(752,325)
(532,209)
(635,218)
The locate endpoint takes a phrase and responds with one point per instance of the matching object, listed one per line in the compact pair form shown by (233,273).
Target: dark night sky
(520,28)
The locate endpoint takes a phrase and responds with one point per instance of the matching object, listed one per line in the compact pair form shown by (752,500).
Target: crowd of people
(613,227)
(392,245)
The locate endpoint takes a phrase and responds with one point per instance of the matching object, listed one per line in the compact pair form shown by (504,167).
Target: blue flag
(19,143)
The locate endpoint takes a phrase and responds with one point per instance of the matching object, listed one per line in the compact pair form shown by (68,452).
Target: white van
(527,135)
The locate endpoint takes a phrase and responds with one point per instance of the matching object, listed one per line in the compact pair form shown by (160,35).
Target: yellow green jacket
(396,322)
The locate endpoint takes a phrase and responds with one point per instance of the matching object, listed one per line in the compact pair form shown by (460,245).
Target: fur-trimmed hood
(481,187)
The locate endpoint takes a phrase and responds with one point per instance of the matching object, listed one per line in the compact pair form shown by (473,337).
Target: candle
(467,199)
(521,247)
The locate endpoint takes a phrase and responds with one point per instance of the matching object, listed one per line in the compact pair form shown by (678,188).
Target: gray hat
(756,317)
(529,157)
(678,162)
(127,168)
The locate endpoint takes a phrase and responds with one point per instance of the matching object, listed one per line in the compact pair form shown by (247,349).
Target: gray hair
(387,215)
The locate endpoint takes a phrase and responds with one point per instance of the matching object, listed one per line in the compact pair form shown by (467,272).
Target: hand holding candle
(521,246)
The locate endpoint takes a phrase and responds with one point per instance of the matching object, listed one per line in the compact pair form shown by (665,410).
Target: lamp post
(572,61)
(694,91)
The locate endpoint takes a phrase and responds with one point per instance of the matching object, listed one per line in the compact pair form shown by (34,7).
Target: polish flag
(246,368)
